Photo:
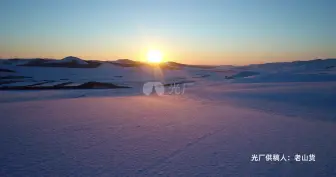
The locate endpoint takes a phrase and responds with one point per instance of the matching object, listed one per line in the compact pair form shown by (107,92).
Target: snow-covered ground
(213,129)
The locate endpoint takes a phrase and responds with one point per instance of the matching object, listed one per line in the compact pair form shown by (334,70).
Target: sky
(187,31)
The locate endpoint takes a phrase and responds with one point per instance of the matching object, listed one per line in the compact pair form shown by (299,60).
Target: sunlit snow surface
(213,129)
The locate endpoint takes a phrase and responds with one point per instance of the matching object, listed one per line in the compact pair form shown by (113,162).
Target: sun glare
(154,56)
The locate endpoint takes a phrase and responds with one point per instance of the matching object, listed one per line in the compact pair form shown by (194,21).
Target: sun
(154,56)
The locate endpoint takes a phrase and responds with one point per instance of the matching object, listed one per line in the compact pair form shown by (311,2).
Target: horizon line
(32,58)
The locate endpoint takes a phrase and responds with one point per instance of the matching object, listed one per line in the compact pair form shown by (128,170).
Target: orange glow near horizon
(152,55)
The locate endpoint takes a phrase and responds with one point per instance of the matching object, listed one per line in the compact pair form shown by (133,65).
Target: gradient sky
(187,31)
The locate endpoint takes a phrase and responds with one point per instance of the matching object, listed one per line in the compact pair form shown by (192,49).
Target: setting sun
(154,56)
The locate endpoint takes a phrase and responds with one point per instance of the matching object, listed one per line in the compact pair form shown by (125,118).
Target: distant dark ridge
(126,61)
(71,64)
(132,63)
(192,66)
(71,58)
(135,64)
(299,61)
(88,85)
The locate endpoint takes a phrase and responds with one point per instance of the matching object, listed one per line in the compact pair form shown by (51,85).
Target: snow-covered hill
(72,70)
(211,130)
(70,59)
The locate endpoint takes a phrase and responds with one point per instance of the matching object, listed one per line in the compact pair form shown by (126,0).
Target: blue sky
(189,31)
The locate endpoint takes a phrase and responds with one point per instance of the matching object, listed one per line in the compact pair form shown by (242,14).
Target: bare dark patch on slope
(8,82)
(177,83)
(63,86)
(14,77)
(7,70)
